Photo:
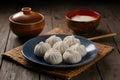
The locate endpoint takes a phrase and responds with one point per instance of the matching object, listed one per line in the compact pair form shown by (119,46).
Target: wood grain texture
(10,71)
(107,66)
(47,12)
(114,22)
(4,28)
(58,14)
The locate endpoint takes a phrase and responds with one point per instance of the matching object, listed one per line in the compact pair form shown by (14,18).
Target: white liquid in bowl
(82,18)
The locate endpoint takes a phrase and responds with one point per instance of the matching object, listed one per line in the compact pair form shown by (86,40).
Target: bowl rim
(68,18)
(43,18)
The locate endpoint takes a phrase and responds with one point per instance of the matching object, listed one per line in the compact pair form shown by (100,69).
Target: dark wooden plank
(107,66)
(58,15)
(5,12)
(47,12)
(90,73)
(4,31)
(11,71)
(46,77)
(115,25)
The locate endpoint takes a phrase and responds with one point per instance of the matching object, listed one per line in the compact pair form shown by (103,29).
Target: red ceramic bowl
(82,26)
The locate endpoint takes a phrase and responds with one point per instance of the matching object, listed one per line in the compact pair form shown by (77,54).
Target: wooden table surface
(54,11)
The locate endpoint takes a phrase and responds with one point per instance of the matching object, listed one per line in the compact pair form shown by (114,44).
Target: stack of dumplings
(55,50)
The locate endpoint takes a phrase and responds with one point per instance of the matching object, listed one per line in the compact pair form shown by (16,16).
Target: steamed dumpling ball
(53,56)
(71,40)
(41,48)
(70,56)
(53,39)
(84,51)
(80,48)
(61,46)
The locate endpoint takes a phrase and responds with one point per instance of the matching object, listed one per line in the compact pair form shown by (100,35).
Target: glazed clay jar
(26,23)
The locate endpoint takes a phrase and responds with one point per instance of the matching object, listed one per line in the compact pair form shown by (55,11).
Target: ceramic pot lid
(26,15)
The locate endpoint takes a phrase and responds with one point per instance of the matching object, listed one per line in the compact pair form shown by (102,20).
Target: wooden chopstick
(103,36)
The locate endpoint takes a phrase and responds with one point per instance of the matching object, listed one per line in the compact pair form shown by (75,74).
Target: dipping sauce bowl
(82,21)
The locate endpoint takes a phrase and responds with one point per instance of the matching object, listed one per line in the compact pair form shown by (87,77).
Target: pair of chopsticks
(103,36)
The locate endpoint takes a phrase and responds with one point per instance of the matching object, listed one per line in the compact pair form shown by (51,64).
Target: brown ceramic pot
(26,23)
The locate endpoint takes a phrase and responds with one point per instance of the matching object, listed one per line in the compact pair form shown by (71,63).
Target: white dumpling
(84,51)
(70,56)
(53,56)
(80,48)
(41,48)
(61,46)
(53,39)
(71,40)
